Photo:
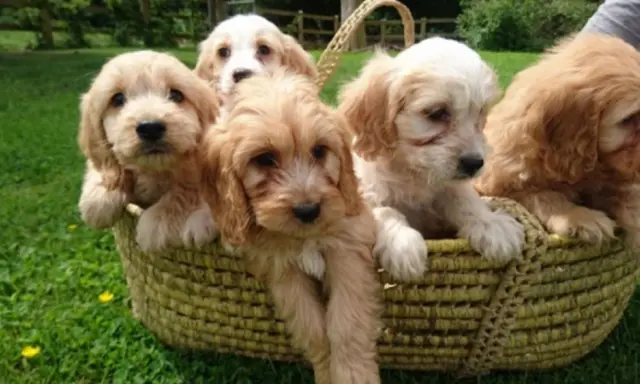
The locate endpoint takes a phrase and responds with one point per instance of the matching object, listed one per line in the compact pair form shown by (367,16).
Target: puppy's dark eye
(224,52)
(629,120)
(118,100)
(440,115)
(319,152)
(263,50)
(267,160)
(176,96)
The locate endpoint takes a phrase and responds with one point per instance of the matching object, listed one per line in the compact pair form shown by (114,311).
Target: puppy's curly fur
(418,120)
(141,120)
(282,188)
(566,139)
(248,44)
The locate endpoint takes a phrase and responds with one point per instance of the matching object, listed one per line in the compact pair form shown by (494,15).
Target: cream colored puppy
(418,120)
(141,121)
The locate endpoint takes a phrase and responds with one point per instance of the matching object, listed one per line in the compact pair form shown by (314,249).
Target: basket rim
(554,240)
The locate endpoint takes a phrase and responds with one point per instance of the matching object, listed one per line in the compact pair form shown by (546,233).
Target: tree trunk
(221,10)
(359,39)
(145,9)
(211,13)
(46,26)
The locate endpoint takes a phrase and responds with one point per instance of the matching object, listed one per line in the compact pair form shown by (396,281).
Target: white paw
(199,228)
(498,236)
(104,210)
(311,261)
(402,252)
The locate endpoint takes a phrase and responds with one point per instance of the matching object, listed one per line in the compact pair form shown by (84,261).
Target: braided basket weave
(467,315)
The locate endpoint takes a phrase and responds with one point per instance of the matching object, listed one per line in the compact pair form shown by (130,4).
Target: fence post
(301,27)
(383,31)
(336,23)
(423,28)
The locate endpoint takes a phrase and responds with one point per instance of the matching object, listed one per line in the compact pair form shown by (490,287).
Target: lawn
(53,268)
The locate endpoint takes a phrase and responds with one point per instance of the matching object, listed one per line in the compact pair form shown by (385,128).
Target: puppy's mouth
(151,149)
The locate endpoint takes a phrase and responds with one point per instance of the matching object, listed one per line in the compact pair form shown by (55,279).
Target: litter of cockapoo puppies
(336,212)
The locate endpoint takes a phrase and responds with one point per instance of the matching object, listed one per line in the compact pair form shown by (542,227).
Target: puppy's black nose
(241,74)
(306,213)
(150,130)
(470,165)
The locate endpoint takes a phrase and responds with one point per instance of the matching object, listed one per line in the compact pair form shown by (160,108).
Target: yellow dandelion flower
(72,227)
(30,351)
(105,297)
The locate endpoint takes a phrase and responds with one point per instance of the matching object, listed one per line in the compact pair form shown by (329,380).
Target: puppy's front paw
(199,228)
(402,252)
(102,209)
(587,224)
(311,261)
(155,230)
(498,236)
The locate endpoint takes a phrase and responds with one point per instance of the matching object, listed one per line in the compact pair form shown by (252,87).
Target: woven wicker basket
(467,315)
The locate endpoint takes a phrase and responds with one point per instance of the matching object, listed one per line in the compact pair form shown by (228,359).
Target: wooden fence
(383,32)
(311,30)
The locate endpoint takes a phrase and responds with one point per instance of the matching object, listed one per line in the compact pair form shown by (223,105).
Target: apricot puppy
(283,190)
(566,139)
(141,121)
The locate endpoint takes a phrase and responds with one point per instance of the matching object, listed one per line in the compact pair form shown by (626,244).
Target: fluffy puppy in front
(141,121)
(245,45)
(282,188)
(566,139)
(417,120)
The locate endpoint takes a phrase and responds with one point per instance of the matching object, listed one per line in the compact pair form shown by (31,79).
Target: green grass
(23,40)
(51,275)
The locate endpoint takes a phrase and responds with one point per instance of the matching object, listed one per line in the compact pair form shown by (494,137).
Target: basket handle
(328,62)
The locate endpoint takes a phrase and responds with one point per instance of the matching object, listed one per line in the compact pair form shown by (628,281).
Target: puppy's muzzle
(241,74)
(307,213)
(150,131)
(469,165)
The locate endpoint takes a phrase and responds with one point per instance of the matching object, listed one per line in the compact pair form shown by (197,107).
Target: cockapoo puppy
(566,139)
(141,121)
(282,189)
(248,44)
(418,120)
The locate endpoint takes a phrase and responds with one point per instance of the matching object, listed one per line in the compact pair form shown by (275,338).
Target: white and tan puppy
(248,44)
(418,120)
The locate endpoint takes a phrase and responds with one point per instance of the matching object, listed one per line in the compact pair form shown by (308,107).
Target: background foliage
(514,25)
(521,25)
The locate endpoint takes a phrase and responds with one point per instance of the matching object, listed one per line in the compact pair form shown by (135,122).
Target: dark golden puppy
(284,193)
(566,139)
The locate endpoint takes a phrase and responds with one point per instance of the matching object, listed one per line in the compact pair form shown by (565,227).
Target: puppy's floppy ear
(93,143)
(370,108)
(206,61)
(565,123)
(299,60)
(223,189)
(348,182)
(206,102)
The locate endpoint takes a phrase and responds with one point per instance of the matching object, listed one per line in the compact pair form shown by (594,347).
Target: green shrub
(520,25)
